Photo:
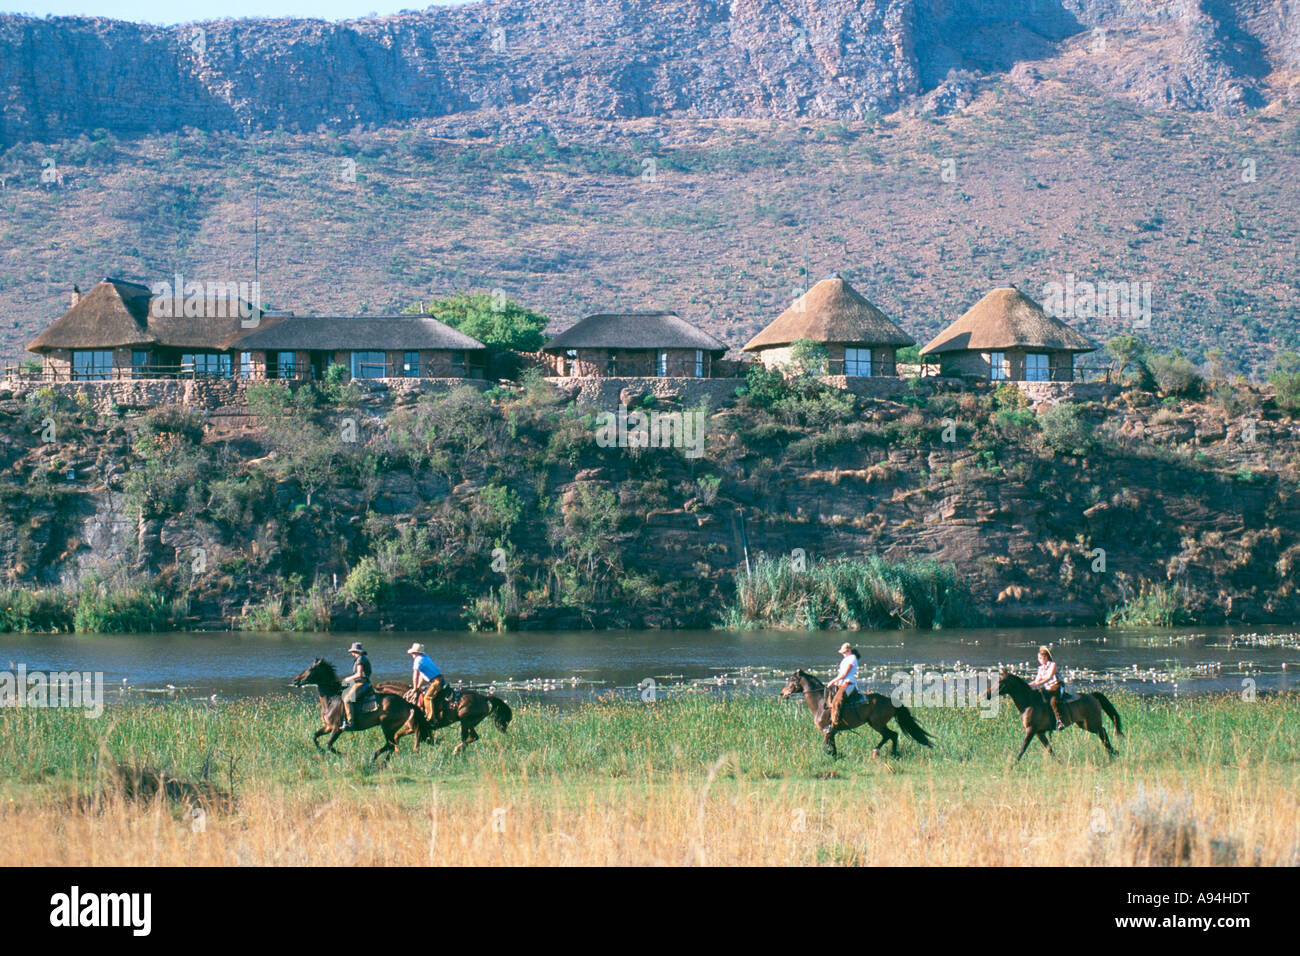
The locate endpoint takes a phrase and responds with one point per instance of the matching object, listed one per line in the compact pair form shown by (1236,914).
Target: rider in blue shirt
(427,680)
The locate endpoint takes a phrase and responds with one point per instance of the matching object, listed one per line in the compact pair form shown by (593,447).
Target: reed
(849,594)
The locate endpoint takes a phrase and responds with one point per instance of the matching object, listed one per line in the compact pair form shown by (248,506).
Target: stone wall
(609,393)
(1053,393)
(215,394)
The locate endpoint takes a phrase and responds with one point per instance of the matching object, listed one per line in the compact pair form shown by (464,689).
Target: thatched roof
(1006,318)
(113,314)
(333,333)
(634,330)
(831,311)
(117,313)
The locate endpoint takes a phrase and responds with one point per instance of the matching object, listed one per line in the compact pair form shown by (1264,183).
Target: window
(661,368)
(92,366)
(369,365)
(857,363)
(611,365)
(245,364)
(206,363)
(140,363)
(571,361)
(286,364)
(1036,368)
(699,363)
(411,364)
(998,368)
(458,364)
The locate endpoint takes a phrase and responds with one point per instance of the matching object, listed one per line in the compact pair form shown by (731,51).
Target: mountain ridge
(625,59)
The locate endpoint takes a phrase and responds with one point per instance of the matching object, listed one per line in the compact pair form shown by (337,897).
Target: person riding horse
(427,682)
(845,683)
(1048,682)
(357,684)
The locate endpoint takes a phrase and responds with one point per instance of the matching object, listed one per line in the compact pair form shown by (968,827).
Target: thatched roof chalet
(118,313)
(634,330)
(1006,319)
(832,311)
(336,333)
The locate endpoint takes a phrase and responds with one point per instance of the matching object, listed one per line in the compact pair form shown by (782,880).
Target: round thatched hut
(1007,336)
(860,340)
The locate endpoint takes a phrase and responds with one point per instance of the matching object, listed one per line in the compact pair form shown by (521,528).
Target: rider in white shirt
(845,683)
(1048,681)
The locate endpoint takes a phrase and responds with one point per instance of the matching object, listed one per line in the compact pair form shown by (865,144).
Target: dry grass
(618,784)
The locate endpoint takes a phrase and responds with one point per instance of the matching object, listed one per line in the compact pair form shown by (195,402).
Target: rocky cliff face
(615,59)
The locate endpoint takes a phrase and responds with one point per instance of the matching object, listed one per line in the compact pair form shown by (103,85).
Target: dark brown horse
(394,716)
(1036,714)
(469,709)
(873,710)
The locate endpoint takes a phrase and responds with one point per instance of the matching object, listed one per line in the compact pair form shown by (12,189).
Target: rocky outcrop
(620,59)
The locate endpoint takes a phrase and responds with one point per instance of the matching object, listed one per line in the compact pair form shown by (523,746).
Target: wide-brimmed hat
(845,647)
(356,648)
(415,649)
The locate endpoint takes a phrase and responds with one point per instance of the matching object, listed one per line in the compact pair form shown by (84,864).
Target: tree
(1126,350)
(491,318)
(1285,379)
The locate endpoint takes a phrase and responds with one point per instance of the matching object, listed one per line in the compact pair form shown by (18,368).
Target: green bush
(366,585)
(1065,429)
(1175,374)
(1285,379)
(1159,605)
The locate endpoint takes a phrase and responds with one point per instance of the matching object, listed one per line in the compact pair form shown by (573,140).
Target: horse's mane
(329,668)
(816,684)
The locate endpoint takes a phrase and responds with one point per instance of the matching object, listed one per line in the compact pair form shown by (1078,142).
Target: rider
(426,679)
(356,684)
(845,683)
(1048,681)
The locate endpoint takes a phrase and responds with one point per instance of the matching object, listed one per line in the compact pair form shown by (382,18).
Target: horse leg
(1042,737)
(1105,739)
(1029,735)
(893,740)
(390,743)
(315,738)
(884,738)
(828,743)
(467,737)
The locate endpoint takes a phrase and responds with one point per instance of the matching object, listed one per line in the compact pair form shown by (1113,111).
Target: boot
(347,716)
(1056,709)
(836,703)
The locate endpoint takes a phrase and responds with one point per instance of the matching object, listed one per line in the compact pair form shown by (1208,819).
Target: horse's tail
(1110,710)
(911,727)
(501,713)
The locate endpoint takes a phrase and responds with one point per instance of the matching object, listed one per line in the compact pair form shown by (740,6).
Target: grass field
(691,779)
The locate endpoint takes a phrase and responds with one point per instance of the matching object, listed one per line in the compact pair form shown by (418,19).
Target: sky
(169,12)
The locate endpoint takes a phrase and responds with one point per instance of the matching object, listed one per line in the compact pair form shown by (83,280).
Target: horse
(1036,714)
(875,710)
(394,716)
(469,710)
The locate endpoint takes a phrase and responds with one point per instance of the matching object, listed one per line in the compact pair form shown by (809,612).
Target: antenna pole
(257,209)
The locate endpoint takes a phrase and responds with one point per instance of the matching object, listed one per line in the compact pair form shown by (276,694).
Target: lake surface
(570,667)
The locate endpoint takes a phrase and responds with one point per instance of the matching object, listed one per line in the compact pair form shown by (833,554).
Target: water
(570,667)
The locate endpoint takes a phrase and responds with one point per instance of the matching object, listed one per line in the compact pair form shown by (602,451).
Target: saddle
(368,704)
